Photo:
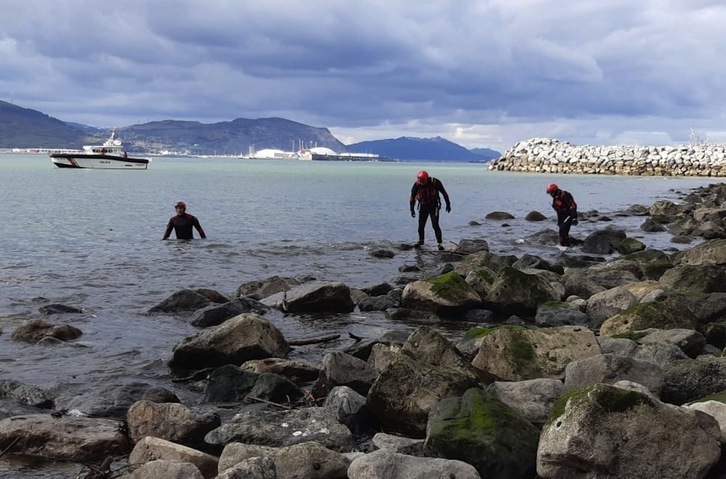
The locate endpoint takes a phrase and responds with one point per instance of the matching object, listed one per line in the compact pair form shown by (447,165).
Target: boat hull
(98,162)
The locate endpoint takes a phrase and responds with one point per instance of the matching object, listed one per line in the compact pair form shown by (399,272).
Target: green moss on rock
(609,399)
(450,286)
(482,332)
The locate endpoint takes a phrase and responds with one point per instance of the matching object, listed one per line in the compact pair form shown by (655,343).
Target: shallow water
(92,239)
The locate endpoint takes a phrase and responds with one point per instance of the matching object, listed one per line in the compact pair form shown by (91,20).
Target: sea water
(92,239)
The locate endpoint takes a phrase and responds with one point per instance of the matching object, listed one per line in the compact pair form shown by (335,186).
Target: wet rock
(185,300)
(38,330)
(55,308)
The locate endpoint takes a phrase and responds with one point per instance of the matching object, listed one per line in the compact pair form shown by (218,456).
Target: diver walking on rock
(426,191)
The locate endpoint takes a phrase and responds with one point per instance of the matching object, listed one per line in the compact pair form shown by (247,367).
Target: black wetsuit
(182,224)
(564,204)
(429,204)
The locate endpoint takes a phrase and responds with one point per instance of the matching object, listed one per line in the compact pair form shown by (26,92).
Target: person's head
(552,189)
(422,177)
(180,207)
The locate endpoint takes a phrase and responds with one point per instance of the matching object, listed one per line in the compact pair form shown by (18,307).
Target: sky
(480,73)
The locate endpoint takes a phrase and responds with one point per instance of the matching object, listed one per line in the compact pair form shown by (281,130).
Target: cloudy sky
(481,73)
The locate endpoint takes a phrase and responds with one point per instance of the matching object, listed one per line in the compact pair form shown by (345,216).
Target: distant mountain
(25,128)
(421,149)
(486,153)
(240,136)
(91,130)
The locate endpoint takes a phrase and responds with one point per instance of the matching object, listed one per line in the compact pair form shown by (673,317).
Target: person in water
(564,204)
(182,223)
(426,191)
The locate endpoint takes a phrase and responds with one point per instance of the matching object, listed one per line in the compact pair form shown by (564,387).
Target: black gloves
(413,214)
(448,208)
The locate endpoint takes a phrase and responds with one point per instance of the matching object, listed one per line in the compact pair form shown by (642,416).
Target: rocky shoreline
(578,367)
(544,155)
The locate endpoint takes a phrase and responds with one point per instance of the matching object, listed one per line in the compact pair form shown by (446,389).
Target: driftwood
(10,446)
(318,339)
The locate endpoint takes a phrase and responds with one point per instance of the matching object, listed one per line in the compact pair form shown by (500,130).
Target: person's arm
(412,199)
(442,190)
(199,227)
(572,211)
(571,202)
(169,227)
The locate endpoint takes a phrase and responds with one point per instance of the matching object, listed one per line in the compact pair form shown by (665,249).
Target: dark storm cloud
(482,73)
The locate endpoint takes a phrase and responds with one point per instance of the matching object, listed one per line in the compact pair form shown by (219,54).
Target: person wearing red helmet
(564,204)
(426,191)
(182,223)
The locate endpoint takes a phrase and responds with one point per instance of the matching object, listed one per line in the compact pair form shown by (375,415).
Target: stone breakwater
(544,155)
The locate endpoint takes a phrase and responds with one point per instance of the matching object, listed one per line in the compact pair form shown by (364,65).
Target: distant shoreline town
(544,155)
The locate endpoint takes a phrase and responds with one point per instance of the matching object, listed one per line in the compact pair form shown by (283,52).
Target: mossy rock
(486,331)
(461,428)
(608,399)
(667,314)
(450,286)
(629,245)
(718,397)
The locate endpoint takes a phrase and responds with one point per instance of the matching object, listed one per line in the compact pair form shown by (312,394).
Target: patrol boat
(109,156)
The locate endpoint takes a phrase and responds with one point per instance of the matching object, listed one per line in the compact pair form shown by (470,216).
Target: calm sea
(92,239)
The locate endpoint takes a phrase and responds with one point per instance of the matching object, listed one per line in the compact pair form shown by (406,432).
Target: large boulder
(519,293)
(482,431)
(262,289)
(445,295)
(533,398)
(604,241)
(406,390)
(185,300)
(386,464)
(701,278)
(607,432)
(215,313)
(81,439)
(667,314)
(171,421)
(611,368)
(606,304)
(37,330)
(315,297)
(486,259)
(284,428)
(307,460)
(150,449)
(244,337)
(515,353)
(709,252)
(691,379)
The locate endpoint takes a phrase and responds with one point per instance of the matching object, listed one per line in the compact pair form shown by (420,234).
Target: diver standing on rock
(564,204)
(426,191)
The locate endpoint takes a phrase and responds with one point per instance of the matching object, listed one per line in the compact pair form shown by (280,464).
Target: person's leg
(423,216)
(435,224)
(565,232)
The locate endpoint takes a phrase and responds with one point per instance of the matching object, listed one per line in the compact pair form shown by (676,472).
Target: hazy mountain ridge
(26,128)
(227,138)
(426,149)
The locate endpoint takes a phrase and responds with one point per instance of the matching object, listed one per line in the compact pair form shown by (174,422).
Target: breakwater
(544,155)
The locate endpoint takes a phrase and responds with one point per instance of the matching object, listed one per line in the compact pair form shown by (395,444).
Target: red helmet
(422,176)
(552,188)
(180,203)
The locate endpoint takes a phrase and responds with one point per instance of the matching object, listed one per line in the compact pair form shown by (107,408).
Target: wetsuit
(429,204)
(564,204)
(183,224)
